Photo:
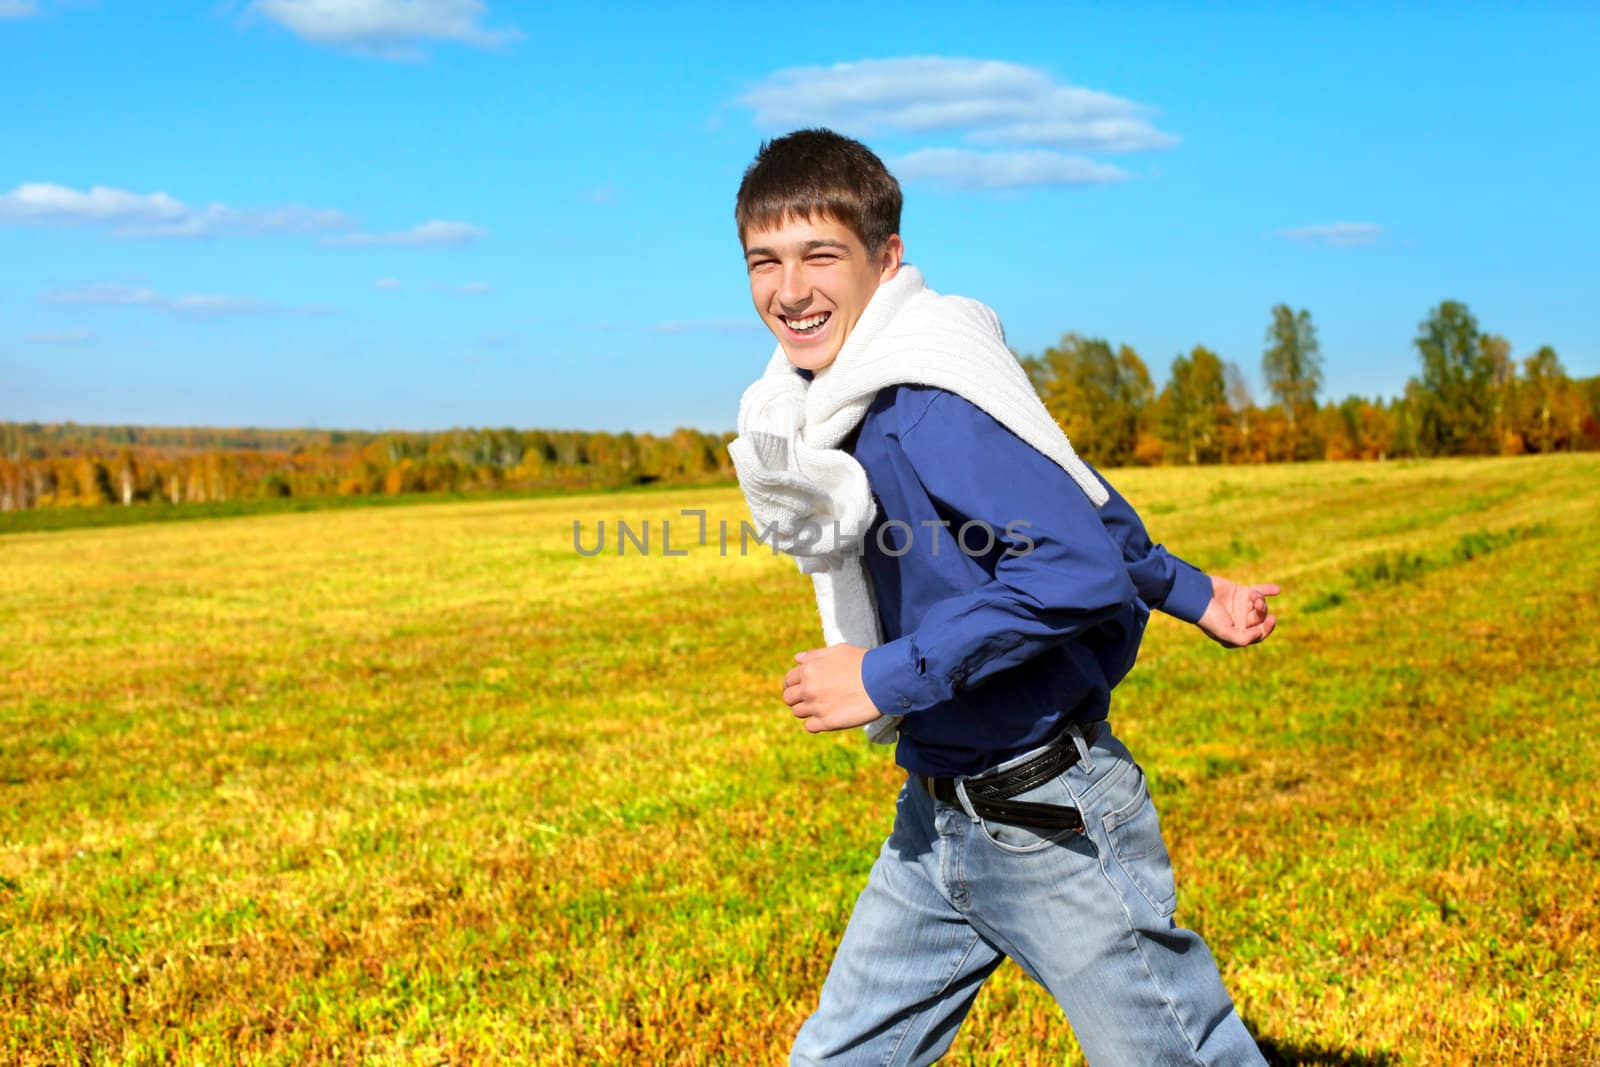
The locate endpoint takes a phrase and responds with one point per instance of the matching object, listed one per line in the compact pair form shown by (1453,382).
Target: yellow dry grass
(425,785)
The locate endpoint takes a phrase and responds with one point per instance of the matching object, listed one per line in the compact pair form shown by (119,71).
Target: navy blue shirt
(1010,605)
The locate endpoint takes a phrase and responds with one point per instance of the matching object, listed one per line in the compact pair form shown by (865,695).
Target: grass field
(424,785)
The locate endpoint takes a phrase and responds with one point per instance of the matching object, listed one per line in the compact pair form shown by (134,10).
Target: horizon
(456,215)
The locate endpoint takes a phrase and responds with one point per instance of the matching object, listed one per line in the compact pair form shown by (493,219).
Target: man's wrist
(1191,592)
(894,684)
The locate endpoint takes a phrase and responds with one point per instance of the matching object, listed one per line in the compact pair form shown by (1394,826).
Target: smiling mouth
(809,325)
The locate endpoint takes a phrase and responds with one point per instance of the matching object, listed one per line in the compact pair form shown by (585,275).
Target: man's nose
(794,291)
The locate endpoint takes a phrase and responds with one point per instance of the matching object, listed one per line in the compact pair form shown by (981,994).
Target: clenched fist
(825,690)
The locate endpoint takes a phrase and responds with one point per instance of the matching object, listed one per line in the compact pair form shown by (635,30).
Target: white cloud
(960,168)
(18,9)
(1334,234)
(219,219)
(202,305)
(47,202)
(159,215)
(108,294)
(708,326)
(1092,133)
(435,232)
(76,335)
(986,101)
(221,304)
(463,288)
(387,29)
(128,214)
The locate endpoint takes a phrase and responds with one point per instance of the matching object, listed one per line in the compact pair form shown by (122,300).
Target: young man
(981,592)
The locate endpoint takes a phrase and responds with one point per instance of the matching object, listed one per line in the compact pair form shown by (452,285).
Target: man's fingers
(1258,610)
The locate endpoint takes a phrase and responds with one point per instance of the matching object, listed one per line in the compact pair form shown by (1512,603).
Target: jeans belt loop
(961,795)
(1082,742)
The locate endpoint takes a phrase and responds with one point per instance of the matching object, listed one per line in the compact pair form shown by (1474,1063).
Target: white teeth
(808,324)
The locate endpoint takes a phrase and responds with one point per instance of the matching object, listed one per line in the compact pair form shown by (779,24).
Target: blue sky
(430,213)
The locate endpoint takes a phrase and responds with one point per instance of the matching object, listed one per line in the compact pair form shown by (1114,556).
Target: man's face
(811,281)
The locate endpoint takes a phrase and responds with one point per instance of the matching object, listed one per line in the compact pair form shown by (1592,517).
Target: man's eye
(759,264)
(821,257)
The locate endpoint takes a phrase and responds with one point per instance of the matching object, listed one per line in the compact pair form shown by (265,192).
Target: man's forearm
(1164,582)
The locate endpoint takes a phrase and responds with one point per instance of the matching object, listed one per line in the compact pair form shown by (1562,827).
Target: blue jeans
(1088,915)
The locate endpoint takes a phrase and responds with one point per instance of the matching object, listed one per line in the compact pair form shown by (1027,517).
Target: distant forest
(1471,396)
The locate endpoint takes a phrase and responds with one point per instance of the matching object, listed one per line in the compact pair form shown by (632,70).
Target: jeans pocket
(1008,837)
(1134,832)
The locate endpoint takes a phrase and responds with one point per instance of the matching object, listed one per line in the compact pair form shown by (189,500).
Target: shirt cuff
(893,681)
(1191,593)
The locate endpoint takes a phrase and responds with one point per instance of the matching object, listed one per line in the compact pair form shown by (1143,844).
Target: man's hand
(825,691)
(1238,614)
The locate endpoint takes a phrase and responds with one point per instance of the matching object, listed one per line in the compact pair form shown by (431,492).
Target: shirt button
(905,702)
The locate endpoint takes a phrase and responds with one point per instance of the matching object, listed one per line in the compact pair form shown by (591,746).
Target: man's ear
(894,250)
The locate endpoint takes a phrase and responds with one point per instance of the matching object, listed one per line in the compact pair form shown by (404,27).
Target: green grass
(423,785)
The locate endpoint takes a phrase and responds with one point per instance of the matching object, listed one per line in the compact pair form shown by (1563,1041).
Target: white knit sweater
(814,496)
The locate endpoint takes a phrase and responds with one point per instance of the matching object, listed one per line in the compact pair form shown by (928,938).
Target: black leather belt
(991,797)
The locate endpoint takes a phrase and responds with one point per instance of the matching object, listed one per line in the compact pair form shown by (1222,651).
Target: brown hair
(817,173)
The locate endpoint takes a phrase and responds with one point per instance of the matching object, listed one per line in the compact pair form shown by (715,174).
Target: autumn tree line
(70,464)
(1471,396)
